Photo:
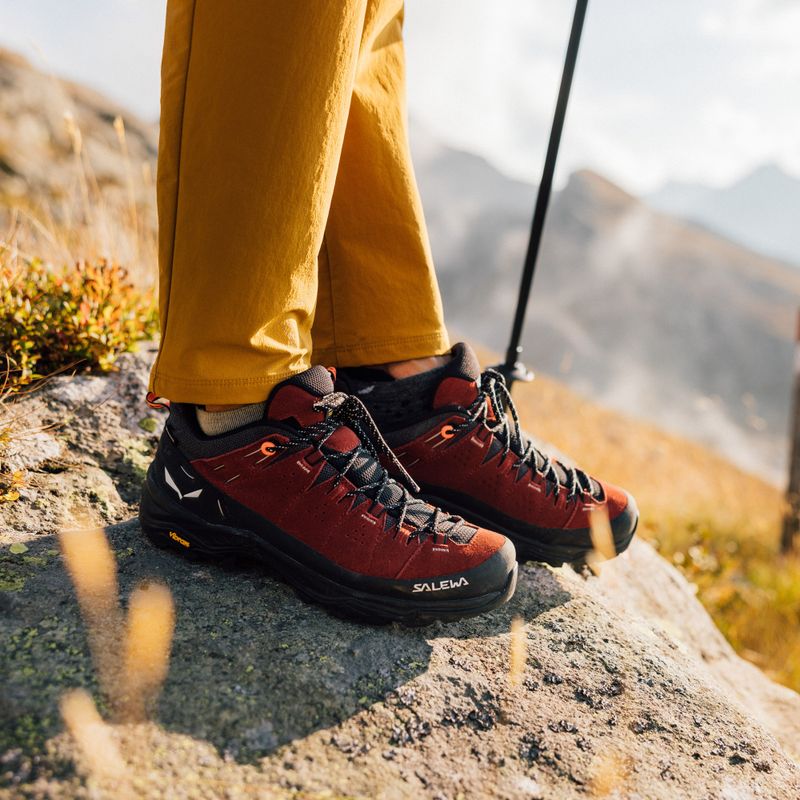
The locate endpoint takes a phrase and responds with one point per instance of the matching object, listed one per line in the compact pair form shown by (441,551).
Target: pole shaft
(546,185)
(791,520)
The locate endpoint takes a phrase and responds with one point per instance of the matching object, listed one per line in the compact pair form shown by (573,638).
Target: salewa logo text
(439,586)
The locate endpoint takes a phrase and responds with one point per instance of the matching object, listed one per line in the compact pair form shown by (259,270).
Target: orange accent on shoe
(447,432)
(269,448)
(154,401)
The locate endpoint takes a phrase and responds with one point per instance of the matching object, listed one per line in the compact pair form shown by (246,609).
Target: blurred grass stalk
(133,214)
(609,775)
(151,621)
(602,539)
(518,652)
(92,568)
(100,755)
(131,654)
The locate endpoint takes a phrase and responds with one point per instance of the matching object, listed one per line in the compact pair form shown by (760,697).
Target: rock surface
(628,690)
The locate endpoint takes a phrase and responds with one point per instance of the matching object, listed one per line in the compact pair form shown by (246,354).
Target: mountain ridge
(758,210)
(636,309)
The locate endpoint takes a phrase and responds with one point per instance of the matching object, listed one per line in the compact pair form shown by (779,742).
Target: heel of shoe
(164,526)
(168,526)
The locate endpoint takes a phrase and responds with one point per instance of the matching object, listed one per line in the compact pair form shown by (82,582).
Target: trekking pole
(790,535)
(513,369)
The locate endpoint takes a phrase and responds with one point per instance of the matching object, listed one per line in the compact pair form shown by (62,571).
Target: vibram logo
(438,586)
(179,539)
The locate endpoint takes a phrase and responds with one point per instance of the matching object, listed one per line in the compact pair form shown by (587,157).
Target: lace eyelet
(447,432)
(268,448)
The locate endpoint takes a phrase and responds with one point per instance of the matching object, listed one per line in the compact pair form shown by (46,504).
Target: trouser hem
(220,391)
(382,352)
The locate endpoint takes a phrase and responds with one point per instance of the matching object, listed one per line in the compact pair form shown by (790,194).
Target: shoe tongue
(459,386)
(295,397)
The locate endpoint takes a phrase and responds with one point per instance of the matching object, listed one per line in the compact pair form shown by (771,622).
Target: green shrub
(80,318)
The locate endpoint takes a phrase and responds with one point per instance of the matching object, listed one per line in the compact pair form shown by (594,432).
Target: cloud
(693,89)
(690,90)
(114,46)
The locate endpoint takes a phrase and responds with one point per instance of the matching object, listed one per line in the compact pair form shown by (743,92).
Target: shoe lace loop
(347,409)
(496,410)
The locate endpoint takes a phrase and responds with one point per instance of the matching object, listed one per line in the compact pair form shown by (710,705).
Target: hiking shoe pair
(314,491)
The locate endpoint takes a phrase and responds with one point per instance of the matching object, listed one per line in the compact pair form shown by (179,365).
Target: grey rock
(629,688)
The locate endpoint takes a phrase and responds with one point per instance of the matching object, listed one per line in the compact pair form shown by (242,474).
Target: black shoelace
(363,468)
(493,395)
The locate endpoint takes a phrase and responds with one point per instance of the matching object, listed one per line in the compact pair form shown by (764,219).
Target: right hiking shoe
(460,438)
(303,490)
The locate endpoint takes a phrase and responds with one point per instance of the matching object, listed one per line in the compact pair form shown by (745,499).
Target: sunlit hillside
(719,525)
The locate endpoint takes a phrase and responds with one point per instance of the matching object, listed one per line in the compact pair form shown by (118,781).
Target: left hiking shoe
(470,457)
(303,491)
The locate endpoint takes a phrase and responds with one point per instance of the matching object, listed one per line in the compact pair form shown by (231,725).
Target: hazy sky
(665,89)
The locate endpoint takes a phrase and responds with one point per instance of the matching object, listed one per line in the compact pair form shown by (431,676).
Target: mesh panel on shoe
(399,403)
(391,409)
(462,533)
(316,380)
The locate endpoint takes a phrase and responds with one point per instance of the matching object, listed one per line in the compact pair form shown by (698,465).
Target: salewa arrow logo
(171,483)
(438,586)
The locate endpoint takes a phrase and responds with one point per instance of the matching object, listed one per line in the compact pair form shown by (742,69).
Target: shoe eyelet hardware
(269,448)
(447,432)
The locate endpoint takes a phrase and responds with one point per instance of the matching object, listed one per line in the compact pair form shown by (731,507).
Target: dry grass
(94,738)
(56,318)
(83,222)
(65,299)
(518,652)
(130,651)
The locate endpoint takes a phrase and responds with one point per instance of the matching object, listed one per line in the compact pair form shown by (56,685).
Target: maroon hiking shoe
(303,490)
(450,430)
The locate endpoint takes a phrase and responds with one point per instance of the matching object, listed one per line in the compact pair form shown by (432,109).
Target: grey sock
(212,423)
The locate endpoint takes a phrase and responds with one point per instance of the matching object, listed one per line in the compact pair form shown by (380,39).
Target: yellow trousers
(291,229)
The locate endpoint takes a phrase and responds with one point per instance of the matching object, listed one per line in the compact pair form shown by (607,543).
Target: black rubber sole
(196,539)
(556,555)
